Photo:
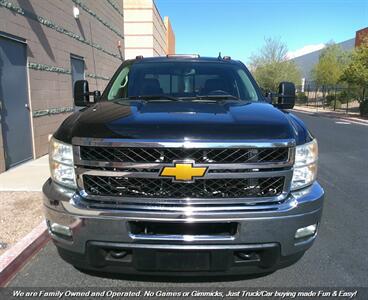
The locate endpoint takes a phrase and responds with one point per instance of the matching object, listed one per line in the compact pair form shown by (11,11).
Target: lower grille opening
(264,258)
(247,256)
(183,229)
(260,256)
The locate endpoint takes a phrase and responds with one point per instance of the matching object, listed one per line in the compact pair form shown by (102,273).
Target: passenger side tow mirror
(286,96)
(82,94)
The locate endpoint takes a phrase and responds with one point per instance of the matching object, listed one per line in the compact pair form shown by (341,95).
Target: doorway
(77,64)
(14,106)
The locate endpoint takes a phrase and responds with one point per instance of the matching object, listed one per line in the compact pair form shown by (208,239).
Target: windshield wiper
(154,97)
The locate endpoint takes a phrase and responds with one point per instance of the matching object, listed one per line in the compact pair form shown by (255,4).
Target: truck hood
(183,120)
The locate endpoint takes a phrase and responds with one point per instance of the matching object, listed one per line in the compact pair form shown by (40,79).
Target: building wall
(2,154)
(360,36)
(306,62)
(170,37)
(145,30)
(52,34)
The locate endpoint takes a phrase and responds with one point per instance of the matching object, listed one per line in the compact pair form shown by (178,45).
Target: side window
(120,87)
(250,92)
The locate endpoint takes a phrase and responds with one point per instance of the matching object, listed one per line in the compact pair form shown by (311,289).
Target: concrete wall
(52,35)
(170,37)
(145,31)
(306,62)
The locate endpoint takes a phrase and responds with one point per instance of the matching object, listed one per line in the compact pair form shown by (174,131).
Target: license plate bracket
(180,260)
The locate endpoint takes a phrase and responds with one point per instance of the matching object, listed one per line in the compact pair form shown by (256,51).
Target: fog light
(306,231)
(60,229)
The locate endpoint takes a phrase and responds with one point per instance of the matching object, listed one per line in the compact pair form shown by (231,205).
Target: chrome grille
(125,173)
(164,188)
(167,155)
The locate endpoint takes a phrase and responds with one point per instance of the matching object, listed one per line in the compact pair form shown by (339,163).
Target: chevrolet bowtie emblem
(183,171)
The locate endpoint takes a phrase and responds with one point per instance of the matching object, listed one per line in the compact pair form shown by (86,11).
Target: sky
(238,27)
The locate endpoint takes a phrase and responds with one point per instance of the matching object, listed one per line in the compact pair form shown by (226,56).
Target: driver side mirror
(286,96)
(81,94)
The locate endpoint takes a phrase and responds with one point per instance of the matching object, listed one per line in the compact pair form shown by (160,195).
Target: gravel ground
(20,212)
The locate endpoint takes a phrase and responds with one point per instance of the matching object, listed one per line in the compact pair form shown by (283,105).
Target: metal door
(14,107)
(77,64)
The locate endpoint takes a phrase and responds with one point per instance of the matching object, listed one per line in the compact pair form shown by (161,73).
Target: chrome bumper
(255,226)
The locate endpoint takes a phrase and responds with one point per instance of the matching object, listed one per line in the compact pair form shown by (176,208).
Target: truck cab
(182,166)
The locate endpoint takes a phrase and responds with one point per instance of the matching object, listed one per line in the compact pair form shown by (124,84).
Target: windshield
(182,80)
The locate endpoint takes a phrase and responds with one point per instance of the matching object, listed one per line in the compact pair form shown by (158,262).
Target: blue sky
(238,27)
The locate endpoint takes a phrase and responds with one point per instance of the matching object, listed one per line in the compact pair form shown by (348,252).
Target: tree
(356,72)
(328,70)
(271,66)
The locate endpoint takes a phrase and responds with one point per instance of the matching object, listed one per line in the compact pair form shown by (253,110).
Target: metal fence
(336,98)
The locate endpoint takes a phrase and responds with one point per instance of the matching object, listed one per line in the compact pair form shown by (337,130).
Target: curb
(333,115)
(18,255)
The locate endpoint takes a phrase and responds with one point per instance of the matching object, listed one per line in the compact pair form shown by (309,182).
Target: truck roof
(184,57)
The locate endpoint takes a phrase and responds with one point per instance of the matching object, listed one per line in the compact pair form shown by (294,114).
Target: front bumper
(269,233)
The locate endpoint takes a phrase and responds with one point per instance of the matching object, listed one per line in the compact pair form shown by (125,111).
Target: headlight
(61,163)
(305,168)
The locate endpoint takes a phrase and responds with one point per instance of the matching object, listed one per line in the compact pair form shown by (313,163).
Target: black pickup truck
(182,166)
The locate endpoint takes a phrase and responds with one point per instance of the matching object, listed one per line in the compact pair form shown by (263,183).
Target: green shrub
(344,96)
(336,104)
(349,95)
(330,99)
(363,108)
(302,97)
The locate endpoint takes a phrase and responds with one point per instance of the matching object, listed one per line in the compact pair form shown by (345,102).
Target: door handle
(26,106)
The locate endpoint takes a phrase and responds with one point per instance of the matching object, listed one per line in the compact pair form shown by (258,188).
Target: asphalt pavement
(338,257)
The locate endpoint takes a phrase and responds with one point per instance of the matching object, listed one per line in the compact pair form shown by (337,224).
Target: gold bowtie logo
(183,172)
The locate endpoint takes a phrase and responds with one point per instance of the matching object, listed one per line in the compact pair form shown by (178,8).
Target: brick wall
(360,36)
(52,35)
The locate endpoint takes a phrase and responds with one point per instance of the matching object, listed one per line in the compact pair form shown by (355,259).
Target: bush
(349,95)
(336,104)
(344,96)
(363,108)
(330,99)
(302,97)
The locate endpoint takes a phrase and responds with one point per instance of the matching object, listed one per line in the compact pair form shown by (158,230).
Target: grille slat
(164,188)
(167,155)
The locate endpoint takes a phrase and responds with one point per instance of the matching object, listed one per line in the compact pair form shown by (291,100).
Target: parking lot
(338,257)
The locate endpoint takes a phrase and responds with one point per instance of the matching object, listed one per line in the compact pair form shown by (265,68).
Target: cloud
(304,50)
